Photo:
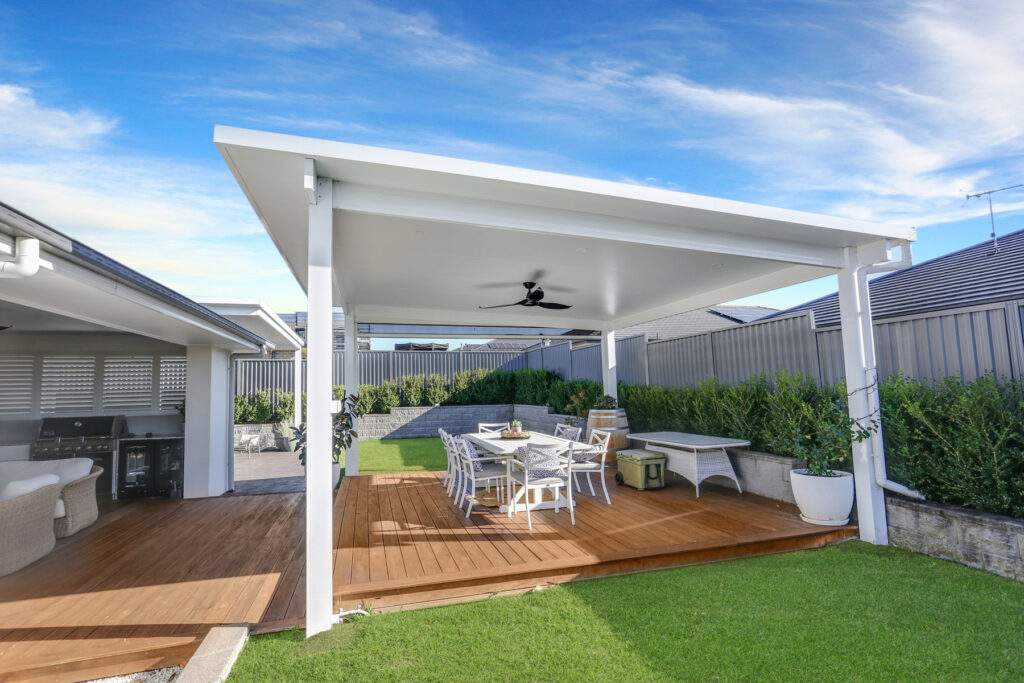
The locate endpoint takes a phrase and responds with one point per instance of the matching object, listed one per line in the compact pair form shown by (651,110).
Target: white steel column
(609,372)
(207,429)
(297,418)
(319,438)
(351,385)
(862,388)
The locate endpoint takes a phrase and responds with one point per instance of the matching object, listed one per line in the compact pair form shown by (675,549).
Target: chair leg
(472,497)
(604,487)
(576,478)
(572,511)
(529,520)
(590,483)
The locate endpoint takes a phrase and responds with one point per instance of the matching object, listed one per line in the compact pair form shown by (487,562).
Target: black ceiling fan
(534,297)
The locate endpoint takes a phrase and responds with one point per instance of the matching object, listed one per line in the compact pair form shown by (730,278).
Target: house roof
(257,317)
(974,275)
(697,322)
(421,239)
(82,283)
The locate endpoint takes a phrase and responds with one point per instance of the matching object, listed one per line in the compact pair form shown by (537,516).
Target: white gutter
(26,259)
(877,444)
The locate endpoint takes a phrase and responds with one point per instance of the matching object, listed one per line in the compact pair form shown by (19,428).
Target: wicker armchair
(26,528)
(80,508)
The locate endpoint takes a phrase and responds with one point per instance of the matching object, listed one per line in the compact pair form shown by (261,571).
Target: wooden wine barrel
(610,420)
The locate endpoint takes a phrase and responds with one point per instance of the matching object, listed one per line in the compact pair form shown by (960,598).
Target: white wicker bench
(695,457)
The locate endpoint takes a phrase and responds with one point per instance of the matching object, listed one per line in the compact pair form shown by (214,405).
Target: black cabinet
(150,467)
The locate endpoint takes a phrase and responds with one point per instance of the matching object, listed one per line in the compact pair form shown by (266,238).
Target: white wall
(207,432)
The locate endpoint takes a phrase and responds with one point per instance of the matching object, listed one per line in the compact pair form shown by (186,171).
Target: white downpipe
(26,259)
(877,447)
(342,616)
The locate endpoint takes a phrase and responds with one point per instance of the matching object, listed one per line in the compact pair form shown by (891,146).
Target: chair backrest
(492,426)
(541,461)
(599,439)
(567,431)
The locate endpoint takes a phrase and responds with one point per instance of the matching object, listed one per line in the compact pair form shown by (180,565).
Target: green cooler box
(641,469)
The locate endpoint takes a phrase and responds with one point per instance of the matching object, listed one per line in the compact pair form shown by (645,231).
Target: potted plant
(606,402)
(344,432)
(823,493)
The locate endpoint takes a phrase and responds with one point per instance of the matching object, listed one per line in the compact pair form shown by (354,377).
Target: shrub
(562,392)
(284,405)
(437,390)
(532,387)
(412,390)
(377,399)
(253,408)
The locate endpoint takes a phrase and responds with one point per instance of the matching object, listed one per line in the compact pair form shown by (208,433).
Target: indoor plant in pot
(823,493)
(344,432)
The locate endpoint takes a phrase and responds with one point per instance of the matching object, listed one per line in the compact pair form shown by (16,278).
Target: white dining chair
(589,459)
(535,468)
(492,426)
(453,467)
(477,472)
(567,431)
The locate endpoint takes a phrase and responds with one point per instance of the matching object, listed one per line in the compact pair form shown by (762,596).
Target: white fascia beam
(756,285)
(431,207)
(309,180)
(399,315)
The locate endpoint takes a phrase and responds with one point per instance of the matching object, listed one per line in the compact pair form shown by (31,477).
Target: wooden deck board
(141,587)
(640,530)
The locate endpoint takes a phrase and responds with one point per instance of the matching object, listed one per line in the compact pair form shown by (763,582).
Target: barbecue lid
(96,425)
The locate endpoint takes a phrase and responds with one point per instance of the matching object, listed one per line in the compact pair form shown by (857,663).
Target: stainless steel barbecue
(81,437)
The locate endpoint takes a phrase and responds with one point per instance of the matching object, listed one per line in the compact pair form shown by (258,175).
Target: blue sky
(887,111)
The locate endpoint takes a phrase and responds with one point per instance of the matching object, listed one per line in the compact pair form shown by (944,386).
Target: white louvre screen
(68,384)
(15,384)
(172,382)
(127,382)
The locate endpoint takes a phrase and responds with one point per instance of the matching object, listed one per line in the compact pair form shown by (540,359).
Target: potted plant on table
(823,493)
(344,432)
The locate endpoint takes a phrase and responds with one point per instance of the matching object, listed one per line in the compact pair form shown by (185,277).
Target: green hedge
(961,444)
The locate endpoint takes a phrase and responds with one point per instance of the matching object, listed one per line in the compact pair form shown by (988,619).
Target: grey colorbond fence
(963,342)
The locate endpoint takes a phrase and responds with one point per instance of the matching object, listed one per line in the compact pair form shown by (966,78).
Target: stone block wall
(537,418)
(764,474)
(270,437)
(977,539)
(410,423)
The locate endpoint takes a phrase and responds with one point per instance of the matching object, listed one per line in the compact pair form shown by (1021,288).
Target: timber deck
(141,588)
(401,543)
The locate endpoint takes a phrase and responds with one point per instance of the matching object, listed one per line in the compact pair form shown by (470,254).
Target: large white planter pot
(823,500)
(335,474)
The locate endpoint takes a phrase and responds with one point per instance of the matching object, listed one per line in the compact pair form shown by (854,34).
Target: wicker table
(694,456)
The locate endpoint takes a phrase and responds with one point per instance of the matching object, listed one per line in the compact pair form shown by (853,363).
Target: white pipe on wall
(26,259)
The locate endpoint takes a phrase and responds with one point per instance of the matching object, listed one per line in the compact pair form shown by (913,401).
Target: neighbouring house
(424,346)
(84,336)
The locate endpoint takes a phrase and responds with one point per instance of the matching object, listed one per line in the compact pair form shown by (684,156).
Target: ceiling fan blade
(524,302)
(549,304)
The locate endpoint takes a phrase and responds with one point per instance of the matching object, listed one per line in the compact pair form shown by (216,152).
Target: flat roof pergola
(399,238)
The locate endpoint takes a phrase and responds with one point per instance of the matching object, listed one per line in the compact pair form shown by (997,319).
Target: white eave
(256,317)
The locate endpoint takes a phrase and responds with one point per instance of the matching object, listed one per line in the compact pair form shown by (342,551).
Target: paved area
(268,472)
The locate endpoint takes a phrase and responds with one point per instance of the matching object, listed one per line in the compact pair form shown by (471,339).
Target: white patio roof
(427,240)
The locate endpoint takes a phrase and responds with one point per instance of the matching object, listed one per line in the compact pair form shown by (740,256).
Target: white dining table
(497,446)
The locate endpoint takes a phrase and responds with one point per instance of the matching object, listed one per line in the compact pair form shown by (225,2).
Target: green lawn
(847,612)
(400,455)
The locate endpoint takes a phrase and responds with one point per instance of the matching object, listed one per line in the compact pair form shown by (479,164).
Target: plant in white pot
(344,432)
(823,493)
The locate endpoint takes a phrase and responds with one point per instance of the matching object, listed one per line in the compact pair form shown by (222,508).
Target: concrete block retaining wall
(270,435)
(764,474)
(409,423)
(977,539)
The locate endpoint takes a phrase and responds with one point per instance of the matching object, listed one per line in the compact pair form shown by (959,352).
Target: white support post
(609,372)
(298,388)
(862,388)
(351,385)
(319,437)
(207,431)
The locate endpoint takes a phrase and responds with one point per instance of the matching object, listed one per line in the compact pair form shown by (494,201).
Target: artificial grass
(401,455)
(846,612)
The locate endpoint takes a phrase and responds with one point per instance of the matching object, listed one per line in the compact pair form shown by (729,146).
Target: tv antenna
(991,214)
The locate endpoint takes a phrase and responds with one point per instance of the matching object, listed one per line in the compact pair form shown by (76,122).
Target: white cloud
(26,123)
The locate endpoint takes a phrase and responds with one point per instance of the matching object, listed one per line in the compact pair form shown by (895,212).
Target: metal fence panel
(493,360)
(681,362)
(631,359)
(586,363)
(765,347)
(260,374)
(558,359)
